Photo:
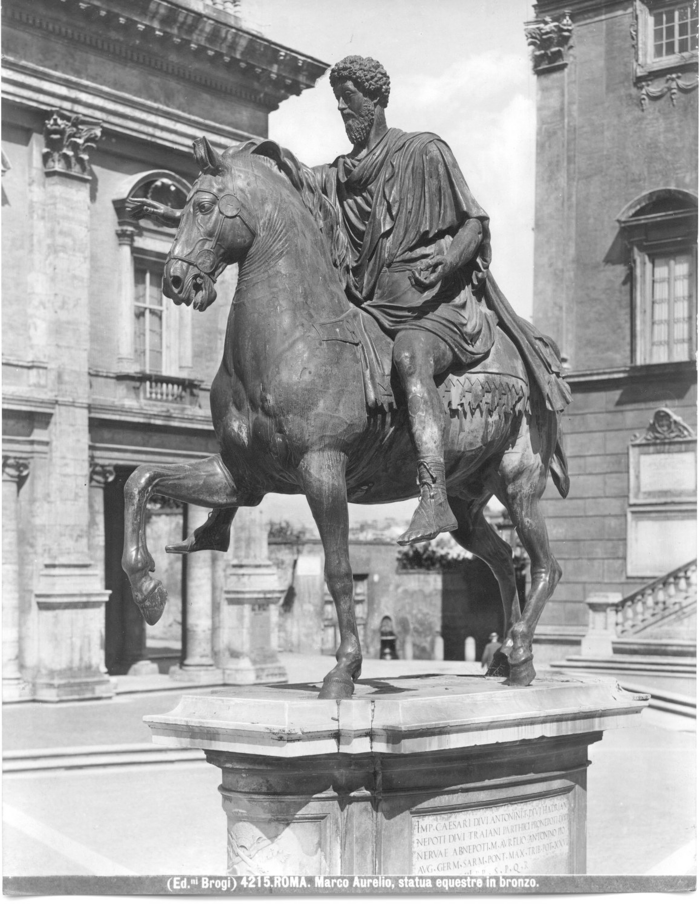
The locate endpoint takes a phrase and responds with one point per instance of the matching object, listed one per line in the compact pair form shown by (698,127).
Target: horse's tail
(559,467)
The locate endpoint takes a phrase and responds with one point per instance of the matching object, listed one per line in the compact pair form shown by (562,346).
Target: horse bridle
(205,259)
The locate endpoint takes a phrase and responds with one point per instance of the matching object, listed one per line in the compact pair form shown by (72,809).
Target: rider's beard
(360,125)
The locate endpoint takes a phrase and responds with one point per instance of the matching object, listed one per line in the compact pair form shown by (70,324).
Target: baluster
(693,575)
(660,597)
(670,592)
(627,618)
(649,603)
(639,609)
(681,582)
(619,621)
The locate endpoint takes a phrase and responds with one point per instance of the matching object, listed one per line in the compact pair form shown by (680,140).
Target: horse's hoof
(153,603)
(522,674)
(500,667)
(337,687)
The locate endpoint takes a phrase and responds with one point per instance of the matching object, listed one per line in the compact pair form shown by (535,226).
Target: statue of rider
(420,249)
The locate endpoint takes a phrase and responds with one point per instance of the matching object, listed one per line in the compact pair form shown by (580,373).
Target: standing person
(490,650)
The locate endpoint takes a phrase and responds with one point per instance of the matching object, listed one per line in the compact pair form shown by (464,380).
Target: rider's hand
(140,208)
(431,272)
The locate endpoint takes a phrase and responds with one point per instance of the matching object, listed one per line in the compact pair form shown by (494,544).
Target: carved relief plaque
(522,837)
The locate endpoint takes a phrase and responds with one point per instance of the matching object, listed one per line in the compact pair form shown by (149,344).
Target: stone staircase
(647,640)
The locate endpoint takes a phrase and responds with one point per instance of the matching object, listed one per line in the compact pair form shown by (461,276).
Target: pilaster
(14,473)
(197,656)
(252,594)
(69,593)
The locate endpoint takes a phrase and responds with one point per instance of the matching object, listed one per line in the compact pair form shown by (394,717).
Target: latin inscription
(667,472)
(524,837)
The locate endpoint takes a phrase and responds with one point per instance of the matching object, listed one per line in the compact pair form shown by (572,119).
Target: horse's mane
(305,183)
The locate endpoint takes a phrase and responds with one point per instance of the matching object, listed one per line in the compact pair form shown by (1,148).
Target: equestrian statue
(367,345)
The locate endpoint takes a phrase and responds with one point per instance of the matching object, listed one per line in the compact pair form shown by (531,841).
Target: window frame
(643,254)
(646,63)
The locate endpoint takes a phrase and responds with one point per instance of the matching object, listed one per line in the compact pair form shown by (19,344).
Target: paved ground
(167,818)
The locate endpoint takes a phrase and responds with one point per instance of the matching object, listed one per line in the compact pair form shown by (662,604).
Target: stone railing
(657,600)
(161,388)
(610,616)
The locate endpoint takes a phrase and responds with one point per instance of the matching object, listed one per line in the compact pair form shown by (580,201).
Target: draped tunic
(400,204)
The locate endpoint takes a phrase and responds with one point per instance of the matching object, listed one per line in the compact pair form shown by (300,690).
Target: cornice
(36,87)
(177,42)
(633,373)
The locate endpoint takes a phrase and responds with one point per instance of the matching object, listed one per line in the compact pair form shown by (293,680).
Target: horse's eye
(205,207)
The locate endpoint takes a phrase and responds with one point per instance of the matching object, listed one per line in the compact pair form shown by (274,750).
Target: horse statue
(305,402)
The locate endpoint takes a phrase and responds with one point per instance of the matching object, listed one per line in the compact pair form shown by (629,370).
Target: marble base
(55,690)
(197,674)
(15,690)
(429,775)
(247,670)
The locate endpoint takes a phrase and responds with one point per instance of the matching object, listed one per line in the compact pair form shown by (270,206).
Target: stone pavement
(157,818)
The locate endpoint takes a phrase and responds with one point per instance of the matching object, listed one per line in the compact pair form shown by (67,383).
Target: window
(671,312)
(666,41)
(660,231)
(675,31)
(154,336)
(148,311)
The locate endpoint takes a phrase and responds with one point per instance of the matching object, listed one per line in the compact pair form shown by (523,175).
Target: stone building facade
(429,612)
(615,282)
(101,102)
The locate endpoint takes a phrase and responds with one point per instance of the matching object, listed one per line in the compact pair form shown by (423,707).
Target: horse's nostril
(176,283)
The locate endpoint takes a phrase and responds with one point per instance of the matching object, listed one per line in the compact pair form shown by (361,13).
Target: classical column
(197,663)
(125,342)
(252,592)
(14,471)
(70,593)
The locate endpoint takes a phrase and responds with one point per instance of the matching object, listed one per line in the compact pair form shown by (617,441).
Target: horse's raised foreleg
(206,483)
(477,536)
(323,475)
(524,481)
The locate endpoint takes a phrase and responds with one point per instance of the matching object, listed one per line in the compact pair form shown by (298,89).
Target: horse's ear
(207,158)
(286,162)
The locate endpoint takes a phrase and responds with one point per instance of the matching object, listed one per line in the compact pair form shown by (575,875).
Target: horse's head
(217,227)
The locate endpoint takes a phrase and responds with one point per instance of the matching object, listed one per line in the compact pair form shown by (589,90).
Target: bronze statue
(367,339)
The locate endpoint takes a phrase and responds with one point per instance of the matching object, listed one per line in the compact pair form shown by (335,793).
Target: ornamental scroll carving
(549,40)
(15,469)
(67,140)
(101,475)
(664,426)
(671,86)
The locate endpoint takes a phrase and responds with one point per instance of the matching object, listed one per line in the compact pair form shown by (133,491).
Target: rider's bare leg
(418,357)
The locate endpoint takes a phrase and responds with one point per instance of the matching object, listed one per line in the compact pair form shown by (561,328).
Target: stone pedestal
(433,775)
(252,595)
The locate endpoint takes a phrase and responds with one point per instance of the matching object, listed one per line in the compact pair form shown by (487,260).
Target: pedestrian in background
(490,650)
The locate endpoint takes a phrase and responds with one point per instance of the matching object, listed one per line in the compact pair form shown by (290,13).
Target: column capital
(126,235)
(549,41)
(67,140)
(14,468)
(100,475)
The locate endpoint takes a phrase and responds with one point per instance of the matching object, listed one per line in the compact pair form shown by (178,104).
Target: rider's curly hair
(369,76)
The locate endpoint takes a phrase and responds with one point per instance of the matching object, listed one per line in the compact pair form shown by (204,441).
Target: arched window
(660,229)
(155,336)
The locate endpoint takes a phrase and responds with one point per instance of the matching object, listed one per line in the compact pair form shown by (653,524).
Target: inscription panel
(523,837)
(667,472)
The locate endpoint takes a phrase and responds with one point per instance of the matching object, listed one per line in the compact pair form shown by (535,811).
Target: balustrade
(610,617)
